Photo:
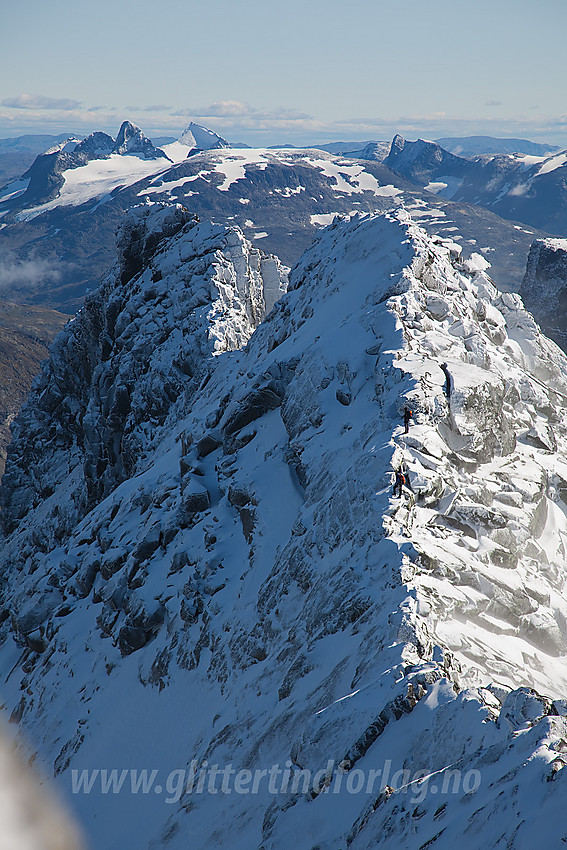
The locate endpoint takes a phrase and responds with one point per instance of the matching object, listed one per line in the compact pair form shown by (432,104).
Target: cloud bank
(39,101)
(27,274)
(238,121)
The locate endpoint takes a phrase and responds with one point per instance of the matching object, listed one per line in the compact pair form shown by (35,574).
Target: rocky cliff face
(247,594)
(141,341)
(25,336)
(544,287)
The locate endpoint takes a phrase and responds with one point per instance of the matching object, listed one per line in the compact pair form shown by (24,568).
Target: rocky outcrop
(131,141)
(544,287)
(142,343)
(96,146)
(25,336)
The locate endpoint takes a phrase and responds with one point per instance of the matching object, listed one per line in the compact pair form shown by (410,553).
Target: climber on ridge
(408,414)
(448,381)
(400,482)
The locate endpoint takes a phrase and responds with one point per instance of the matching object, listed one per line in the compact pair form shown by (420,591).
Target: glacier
(205,572)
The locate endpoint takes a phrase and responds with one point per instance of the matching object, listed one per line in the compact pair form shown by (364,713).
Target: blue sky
(292,71)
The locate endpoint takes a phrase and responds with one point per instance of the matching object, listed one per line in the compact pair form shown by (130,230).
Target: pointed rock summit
(197,136)
(131,140)
(423,161)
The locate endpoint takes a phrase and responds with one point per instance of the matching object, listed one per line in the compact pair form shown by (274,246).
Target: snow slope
(243,591)
(96,180)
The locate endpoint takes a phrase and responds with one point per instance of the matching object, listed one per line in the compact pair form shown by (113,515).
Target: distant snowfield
(232,163)
(97,180)
(445,186)
(12,190)
(99,177)
(528,160)
(353,179)
(553,163)
(169,185)
(323,220)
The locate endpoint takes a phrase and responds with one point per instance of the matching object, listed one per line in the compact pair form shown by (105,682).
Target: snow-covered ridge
(252,582)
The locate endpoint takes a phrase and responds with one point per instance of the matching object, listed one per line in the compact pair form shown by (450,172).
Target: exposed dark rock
(544,287)
(85,577)
(131,638)
(209,443)
(344,397)
(238,497)
(146,548)
(131,140)
(195,501)
(254,405)
(423,161)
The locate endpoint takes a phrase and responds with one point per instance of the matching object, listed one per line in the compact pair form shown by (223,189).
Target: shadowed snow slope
(245,592)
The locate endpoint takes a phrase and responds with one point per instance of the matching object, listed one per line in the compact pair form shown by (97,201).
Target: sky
(287,72)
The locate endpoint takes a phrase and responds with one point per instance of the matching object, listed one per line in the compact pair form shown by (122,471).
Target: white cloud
(39,101)
(26,274)
(235,113)
(160,107)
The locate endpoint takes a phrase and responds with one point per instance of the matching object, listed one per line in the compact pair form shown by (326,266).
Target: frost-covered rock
(392,671)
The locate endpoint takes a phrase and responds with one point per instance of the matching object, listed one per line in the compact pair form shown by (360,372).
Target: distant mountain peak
(96,145)
(472,146)
(131,140)
(420,160)
(398,144)
(197,136)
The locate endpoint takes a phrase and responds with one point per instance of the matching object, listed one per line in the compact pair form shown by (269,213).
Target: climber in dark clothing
(448,381)
(400,482)
(408,414)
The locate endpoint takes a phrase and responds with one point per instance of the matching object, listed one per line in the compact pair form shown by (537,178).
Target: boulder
(251,407)
(130,639)
(209,443)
